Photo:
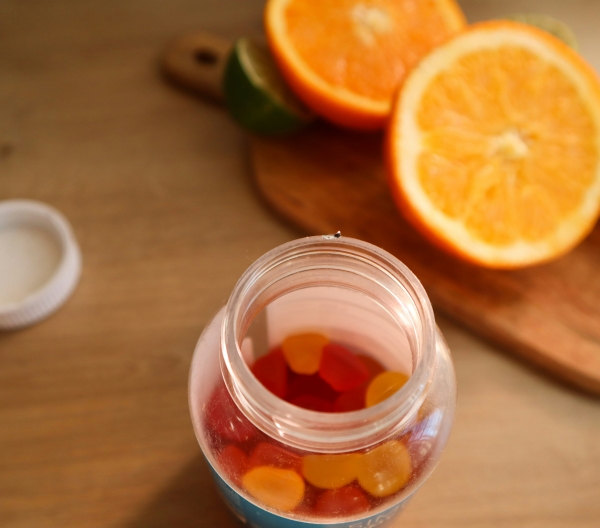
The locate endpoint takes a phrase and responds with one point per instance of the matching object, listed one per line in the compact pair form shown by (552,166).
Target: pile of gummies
(310,371)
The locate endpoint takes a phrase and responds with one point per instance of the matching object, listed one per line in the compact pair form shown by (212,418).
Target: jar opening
(357,294)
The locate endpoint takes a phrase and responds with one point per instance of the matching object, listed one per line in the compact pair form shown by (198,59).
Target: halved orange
(346,58)
(494,146)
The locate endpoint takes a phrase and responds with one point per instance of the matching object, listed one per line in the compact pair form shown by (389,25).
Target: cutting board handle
(197,61)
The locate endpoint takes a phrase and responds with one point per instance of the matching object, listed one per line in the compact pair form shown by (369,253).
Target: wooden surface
(94,426)
(324,180)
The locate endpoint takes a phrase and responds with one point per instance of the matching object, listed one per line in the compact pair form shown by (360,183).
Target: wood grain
(324,180)
(94,424)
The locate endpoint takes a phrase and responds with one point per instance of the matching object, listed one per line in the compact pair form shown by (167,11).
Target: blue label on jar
(256,517)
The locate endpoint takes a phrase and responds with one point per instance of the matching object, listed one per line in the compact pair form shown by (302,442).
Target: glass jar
(370,461)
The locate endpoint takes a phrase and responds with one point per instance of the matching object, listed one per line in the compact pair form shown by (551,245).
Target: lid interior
(29,257)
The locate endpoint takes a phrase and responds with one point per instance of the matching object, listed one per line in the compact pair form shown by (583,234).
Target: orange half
(494,146)
(346,58)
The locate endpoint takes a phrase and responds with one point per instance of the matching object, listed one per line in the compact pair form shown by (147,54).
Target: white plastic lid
(40,262)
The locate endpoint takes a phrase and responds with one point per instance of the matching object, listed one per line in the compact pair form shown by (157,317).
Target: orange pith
(346,58)
(494,146)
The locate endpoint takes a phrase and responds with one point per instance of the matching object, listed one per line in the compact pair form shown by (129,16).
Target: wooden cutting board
(325,179)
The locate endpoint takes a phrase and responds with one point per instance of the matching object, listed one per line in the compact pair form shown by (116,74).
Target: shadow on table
(190,500)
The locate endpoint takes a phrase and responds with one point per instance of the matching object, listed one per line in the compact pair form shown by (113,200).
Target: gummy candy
(341,368)
(352,400)
(271,371)
(348,500)
(385,469)
(426,410)
(307,506)
(421,436)
(234,462)
(267,454)
(383,386)
(373,366)
(330,471)
(303,352)
(313,403)
(224,418)
(312,373)
(278,488)
(314,385)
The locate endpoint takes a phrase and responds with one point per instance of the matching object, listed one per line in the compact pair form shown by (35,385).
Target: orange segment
(383,386)
(494,146)
(282,489)
(385,469)
(303,352)
(346,58)
(330,471)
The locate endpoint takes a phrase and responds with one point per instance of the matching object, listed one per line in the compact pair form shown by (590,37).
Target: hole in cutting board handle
(196,61)
(206,57)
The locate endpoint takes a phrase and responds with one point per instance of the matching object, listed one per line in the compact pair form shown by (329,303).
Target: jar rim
(307,429)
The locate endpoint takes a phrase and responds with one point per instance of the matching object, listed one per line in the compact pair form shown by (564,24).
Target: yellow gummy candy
(278,488)
(330,471)
(383,386)
(302,352)
(385,469)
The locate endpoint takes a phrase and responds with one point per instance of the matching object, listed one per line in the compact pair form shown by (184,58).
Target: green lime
(256,94)
(551,25)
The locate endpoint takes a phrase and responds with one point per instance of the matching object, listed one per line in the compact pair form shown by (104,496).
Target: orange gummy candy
(385,469)
(383,386)
(330,471)
(278,488)
(303,352)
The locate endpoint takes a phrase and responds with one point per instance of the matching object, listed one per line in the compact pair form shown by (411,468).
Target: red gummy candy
(266,454)
(348,500)
(310,385)
(342,369)
(352,400)
(313,403)
(225,419)
(234,462)
(373,366)
(271,371)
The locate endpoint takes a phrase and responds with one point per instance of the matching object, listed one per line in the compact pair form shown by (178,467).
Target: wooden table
(94,425)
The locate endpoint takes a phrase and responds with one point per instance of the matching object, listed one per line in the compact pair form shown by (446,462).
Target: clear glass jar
(361,297)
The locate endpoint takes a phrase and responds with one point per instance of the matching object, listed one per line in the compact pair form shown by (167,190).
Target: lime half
(549,24)
(256,94)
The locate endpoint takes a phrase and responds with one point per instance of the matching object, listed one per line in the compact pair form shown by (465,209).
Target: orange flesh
(509,145)
(366,48)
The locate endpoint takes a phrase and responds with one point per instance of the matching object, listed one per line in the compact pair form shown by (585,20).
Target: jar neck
(344,263)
